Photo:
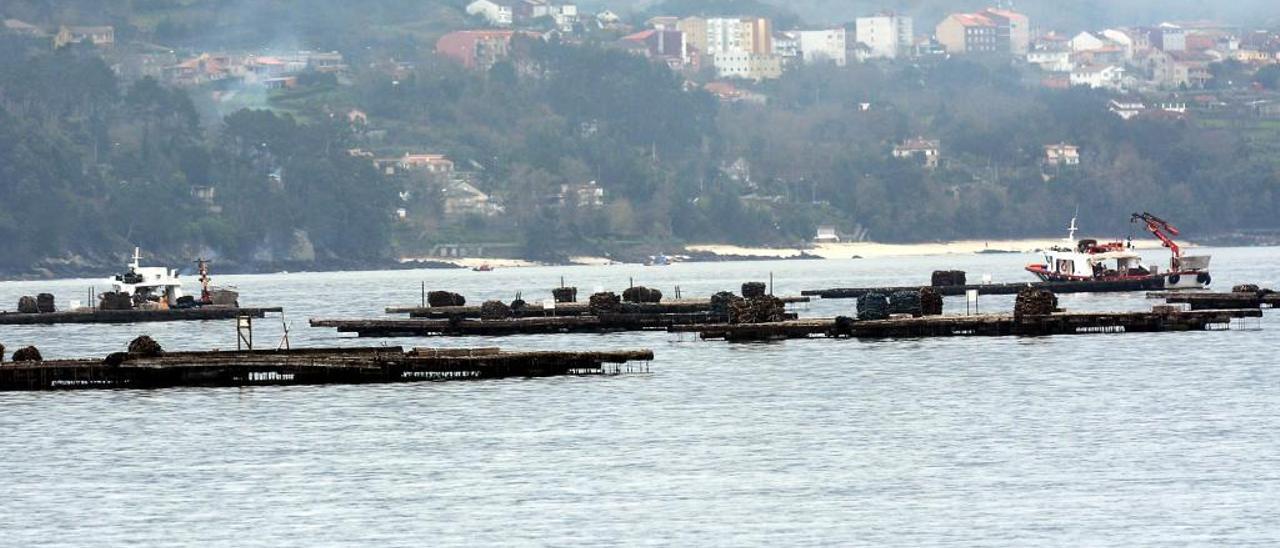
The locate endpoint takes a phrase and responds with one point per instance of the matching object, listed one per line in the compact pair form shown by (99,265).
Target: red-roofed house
(475,48)
(967,33)
(1013,30)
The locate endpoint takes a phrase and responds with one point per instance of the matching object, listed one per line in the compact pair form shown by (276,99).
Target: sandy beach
(824,250)
(873,249)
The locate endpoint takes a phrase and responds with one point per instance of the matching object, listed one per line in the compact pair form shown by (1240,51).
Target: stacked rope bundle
(766,309)
(844,326)
(445,298)
(145,346)
(605,303)
(115,300)
(1034,302)
(930,302)
(27,305)
(44,303)
(565,294)
(721,303)
(495,310)
(1246,288)
(641,294)
(947,278)
(754,289)
(905,302)
(873,306)
(28,354)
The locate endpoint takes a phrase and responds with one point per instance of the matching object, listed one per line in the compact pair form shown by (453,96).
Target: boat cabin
(155,284)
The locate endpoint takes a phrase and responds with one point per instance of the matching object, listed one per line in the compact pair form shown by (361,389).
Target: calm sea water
(1145,439)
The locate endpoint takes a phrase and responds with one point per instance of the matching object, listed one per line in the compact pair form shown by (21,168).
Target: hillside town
(1163,70)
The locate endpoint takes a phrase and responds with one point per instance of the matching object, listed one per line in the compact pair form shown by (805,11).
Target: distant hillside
(316,24)
(1046,13)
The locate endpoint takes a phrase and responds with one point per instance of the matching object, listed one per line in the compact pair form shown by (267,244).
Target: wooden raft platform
(680,306)
(310,366)
(607,323)
(136,316)
(992,325)
(1220,301)
(1122,286)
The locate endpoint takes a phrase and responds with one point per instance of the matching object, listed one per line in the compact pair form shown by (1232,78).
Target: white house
(1051,61)
(1086,42)
(888,35)
(1098,76)
(822,46)
(495,12)
(1122,39)
(608,18)
(1126,109)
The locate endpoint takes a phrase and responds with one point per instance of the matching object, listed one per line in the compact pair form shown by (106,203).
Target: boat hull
(1171,280)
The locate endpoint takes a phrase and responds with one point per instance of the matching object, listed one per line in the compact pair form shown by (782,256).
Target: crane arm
(1162,230)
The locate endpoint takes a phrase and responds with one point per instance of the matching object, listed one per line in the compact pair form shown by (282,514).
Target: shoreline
(866,250)
(693,253)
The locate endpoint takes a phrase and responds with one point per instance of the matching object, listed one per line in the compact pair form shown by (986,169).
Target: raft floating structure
(307,366)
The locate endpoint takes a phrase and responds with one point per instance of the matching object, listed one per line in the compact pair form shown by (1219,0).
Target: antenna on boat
(1071,230)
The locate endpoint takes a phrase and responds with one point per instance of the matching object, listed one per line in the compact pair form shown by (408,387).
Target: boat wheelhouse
(154,284)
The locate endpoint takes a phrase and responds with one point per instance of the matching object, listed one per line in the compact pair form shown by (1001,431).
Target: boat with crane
(1089,260)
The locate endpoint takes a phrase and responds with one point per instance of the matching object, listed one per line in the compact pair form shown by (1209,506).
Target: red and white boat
(1094,261)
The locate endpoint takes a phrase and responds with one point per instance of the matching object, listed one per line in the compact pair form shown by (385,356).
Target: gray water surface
(1143,439)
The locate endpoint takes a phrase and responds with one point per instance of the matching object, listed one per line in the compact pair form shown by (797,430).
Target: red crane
(1163,231)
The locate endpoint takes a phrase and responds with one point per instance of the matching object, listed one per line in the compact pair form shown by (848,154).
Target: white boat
(153,284)
(1093,261)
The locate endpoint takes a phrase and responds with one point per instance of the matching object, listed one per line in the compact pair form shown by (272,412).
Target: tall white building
(724,35)
(822,46)
(887,34)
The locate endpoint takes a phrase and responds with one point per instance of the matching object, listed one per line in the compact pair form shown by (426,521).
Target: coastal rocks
(115,300)
(873,306)
(565,294)
(145,346)
(947,278)
(301,250)
(1034,302)
(753,289)
(27,305)
(44,303)
(445,298)
(605,303)
(641,294)
(905,302)
(28,354)
(495,310)
(930,302)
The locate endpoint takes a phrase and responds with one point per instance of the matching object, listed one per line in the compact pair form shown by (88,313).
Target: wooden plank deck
(136,316)
(606,323)
(1219,301)
(311,366)
(994,289)
(679,306)
(989,325)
